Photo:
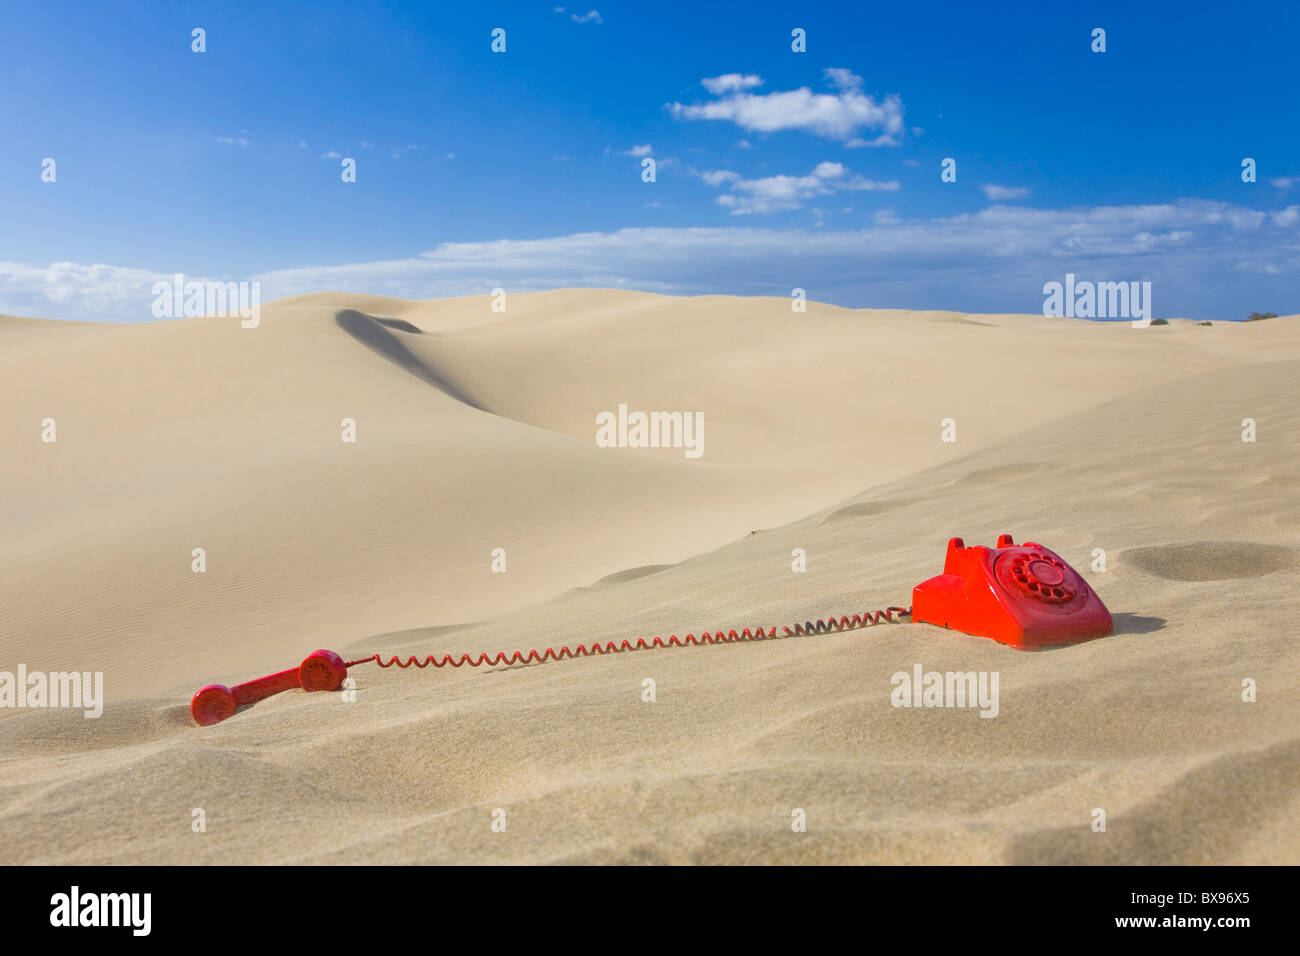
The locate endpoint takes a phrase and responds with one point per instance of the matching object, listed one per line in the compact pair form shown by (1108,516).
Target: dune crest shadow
(375,335)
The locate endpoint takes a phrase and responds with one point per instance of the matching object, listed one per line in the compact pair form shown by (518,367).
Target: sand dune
(475,431)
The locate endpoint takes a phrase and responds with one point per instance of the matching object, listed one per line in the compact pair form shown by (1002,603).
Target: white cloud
(1285,182)
(1004,192)
(731,83)
(716,177)
(1285,218)
(302,144)
(643,150)
(241,140)
(776,193)
(591,16)
(839,115)
(742,144)
(843,79)
(859,183)
(398,151)
(74,290)
(331,155)
(1205,259)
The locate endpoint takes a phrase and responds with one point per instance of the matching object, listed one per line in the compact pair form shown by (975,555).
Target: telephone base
(1024,596)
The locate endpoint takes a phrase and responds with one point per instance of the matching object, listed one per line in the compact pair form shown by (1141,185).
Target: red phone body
(1025,596)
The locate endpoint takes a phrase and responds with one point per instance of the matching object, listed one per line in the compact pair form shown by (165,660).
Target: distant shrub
(1159,321)
(1257,316)
(1204,323)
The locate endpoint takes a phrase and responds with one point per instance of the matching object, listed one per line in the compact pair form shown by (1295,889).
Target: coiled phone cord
(843,623)
(325,670)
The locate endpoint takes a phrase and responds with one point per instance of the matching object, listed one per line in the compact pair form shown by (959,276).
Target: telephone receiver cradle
(1025,595)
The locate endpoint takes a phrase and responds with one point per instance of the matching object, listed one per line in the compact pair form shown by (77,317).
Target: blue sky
(775,169)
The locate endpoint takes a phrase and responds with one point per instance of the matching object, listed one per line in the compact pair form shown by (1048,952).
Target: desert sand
(475,431)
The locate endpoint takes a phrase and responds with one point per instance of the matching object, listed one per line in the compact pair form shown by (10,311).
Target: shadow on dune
(1212,560)
(374,334)
(400,324)
(1125,624)
(1137,624)
(632,574)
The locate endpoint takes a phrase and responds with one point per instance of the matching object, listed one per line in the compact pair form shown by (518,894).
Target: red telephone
(1025,596)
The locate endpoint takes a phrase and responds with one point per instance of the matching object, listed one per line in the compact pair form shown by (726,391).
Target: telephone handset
(1024,595)
(321,670)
